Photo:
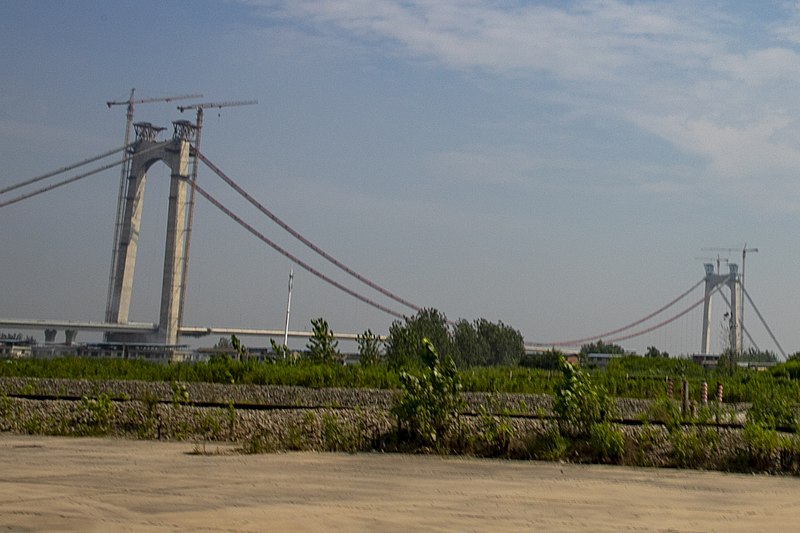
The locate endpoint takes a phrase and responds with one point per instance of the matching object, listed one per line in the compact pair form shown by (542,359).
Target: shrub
(180,394)
(763,449)
(579,403)
(665,411)
(429,402)
(694,447)
(95,414)
(337,435)
(262,441)
(772,410)
(607,441)
(548,446)
(494,433)
(650,443)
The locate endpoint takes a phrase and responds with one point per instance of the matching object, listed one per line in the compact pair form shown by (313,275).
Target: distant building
(708,361)
(601,360)
(257,354)
(158,353)
(15,348)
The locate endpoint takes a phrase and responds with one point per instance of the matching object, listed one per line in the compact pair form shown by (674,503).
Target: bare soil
(87,484)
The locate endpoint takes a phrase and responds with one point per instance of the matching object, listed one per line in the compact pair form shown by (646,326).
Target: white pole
(288,310)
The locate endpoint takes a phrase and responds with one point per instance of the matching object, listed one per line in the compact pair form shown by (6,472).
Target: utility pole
(192,190)
(125,168)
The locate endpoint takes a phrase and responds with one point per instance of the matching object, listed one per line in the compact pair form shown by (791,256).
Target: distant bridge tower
(713,281)
(175,154)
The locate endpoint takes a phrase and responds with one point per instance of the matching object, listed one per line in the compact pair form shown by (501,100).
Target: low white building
(15,349)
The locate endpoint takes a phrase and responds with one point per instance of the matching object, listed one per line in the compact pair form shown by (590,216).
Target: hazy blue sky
(558,166)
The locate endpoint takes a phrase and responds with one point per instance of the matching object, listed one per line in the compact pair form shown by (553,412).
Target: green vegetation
(470,344)
(369,349)
(630,377)
(579,403)
(430,402)
(431,362)
(94,415)
(322,346)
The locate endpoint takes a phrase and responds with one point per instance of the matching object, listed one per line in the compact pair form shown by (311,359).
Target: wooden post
(685,398)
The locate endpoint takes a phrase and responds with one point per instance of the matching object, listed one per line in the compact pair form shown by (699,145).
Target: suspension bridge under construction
(182,155)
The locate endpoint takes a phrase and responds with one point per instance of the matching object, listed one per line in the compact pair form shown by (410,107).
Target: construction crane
(718,260)
(744,251)
(199,127)
(124,174)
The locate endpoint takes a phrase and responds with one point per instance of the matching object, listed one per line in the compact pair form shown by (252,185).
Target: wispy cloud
(675,70)
(588,40)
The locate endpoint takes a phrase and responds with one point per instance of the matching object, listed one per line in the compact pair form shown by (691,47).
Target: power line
(301,238)
(293,258)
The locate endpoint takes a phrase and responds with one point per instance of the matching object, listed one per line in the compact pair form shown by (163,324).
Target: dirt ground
(82,484)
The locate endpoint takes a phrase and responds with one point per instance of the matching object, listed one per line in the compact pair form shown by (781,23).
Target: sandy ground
(72,484)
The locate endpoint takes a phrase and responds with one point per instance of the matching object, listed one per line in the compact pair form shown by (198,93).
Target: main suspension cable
(659,325)
(73,179)
(579,342)
(61,170)
(301,238)
(783,353)
(291,257)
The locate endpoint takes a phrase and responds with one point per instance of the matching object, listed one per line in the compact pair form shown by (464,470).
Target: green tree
(223,344)
(369,348)
(404,345)
(548,360)
(601,347)
(281,352)
(483,343)
(469,347)
(241,349)
(753,355)
(506,345)
(654,353)
(322,346)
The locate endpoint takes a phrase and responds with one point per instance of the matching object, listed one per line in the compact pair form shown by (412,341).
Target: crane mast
(192,191)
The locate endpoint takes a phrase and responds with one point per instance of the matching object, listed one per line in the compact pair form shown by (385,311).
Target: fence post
(669,388)
(685,397)
(704,393)
(719,392)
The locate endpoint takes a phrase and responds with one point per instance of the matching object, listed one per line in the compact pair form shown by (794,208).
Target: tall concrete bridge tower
(713,281)
(147,151)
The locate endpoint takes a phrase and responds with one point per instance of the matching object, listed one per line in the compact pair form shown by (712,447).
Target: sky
(561,167)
